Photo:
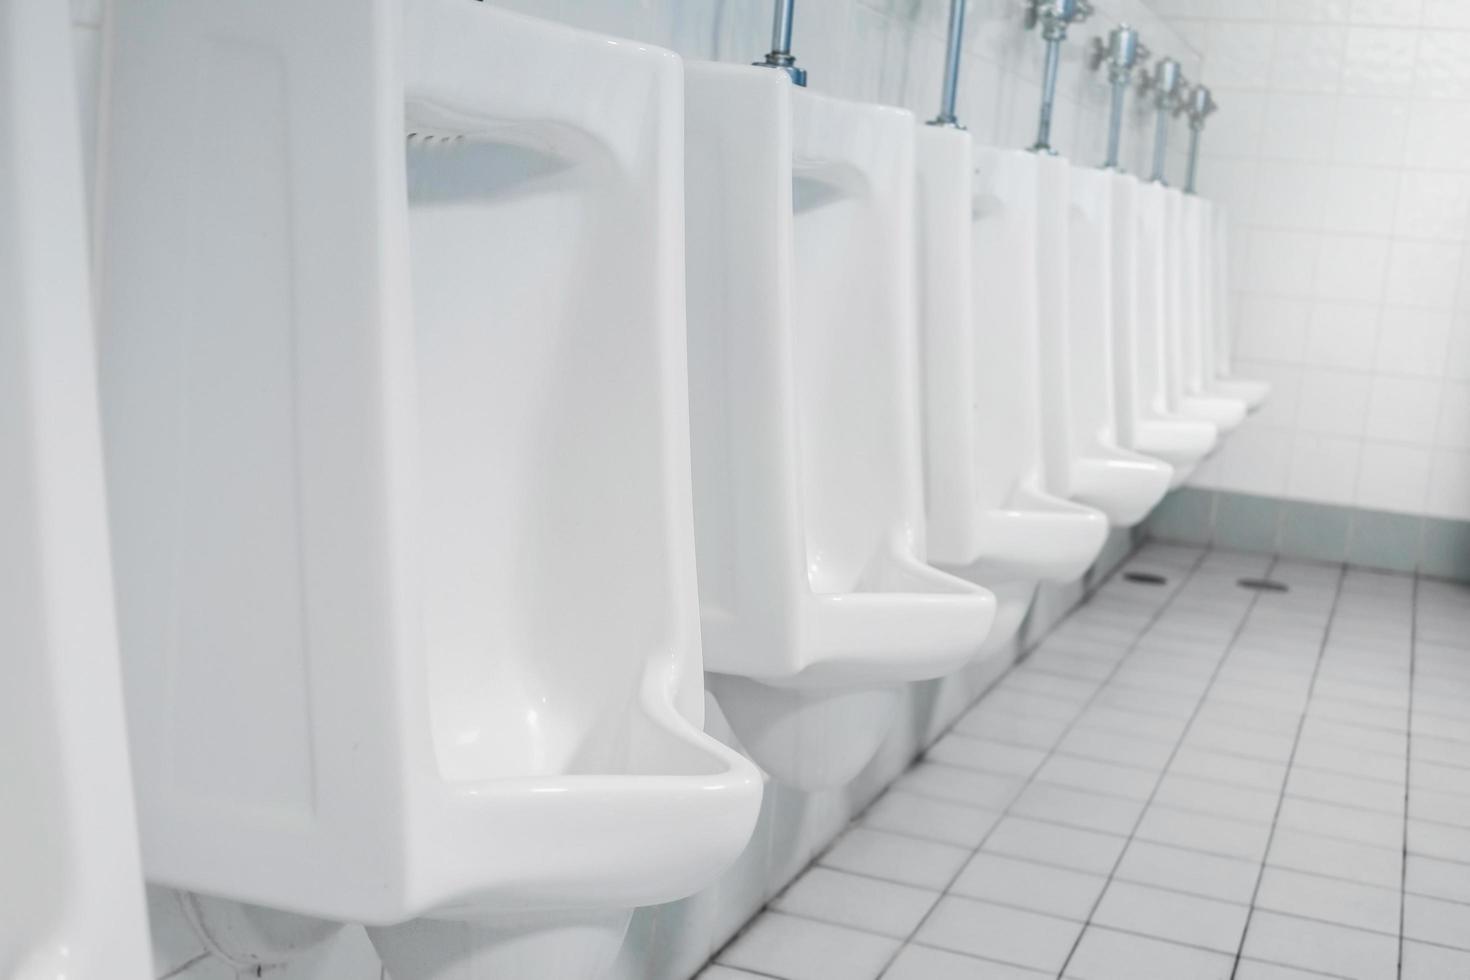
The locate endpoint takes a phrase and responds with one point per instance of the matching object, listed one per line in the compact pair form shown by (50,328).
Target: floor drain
(1145,578)
(1263,585)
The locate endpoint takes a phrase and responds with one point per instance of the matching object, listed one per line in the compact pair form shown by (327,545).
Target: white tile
(1256,970)
(1098,776)
(1313,853)
(1434,920)
(1344,823)
(1210,875)
(1048,843)
(1403,410)
(1029,939)
(926,963)
(1221,767)
(1351,268)
(1028,885)
(717,972)
(1412,341)
(988,791)
(1107,955)
(1092,743)
(1439,841)
(1425,962)
(1311,945)
(1219,799)
(1393,477)
(1035,731)
(884,907)
(1345,790)
(907,860)
(1187,919)
(1437,879)
(1078,808)
(987,755)
(1329,899)
(1200,832)
(1448,808)
(923,816)
(801,949)
(1338,758)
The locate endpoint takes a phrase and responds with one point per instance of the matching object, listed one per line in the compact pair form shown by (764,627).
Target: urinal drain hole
(1145,578)
(1263,585)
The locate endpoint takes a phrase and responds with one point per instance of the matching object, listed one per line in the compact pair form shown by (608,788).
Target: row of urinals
(475,394)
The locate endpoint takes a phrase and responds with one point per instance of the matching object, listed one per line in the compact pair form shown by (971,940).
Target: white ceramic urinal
(991,519)
(71,890)
(1146,423)
(1215,352)
(816,599)
(394,383)
(1074,237)
(1183,337)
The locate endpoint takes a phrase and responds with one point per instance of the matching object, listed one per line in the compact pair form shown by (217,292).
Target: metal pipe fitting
(1165,82)
(1199,105)
(779,57)
(953,52)
(1122,52)
(1053,17)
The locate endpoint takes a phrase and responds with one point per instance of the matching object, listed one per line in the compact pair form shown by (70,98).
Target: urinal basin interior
(1223,412)
(431,502)
(1178,441)
(1035,538)
(1253,393)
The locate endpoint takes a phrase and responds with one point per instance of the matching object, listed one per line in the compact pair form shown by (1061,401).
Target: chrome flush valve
(1165,83)
(1121,52)
(1053,17)
(1199,103)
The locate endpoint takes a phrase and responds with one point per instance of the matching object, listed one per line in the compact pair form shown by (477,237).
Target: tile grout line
(1132,835)
(1301,723)
(1153,618)
(1408,769)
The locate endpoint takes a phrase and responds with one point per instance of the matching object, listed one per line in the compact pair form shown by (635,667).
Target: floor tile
(1433,920)
(987,791)
(1048,843)
(1347,903)
(1029,939)
(1126,750)
(1332,757)
(1185,792)
(1179,918)
(906,860)
(1038,887)
(1078,808)
(1298,851)
(924,816)
(717,972)
(927,963)
(1425,962)
(986,720)
(884,907)
(1344,790)
(800,949)
(1201,832)
(1104,954)
(1437,807)
(1136,724)
(1439,840)
(1335,949)
(1099,777)
(1223,768)
(987,755)
(1344,823)
(1256,970)
(1228,879)
(1437,879)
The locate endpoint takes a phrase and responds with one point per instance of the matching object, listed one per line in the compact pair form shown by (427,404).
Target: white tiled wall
(1343,151)
(879,50)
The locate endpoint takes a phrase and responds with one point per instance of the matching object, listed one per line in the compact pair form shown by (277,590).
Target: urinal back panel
(1155,310)
(855,338)
(71,892)
(1128,314)
(398,443)
(1052,279)
(1179,282)
(951,472)
(1093,317)
(1007,449)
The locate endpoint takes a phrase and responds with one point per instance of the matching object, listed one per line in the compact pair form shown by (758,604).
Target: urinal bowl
(405,457)
(816,601)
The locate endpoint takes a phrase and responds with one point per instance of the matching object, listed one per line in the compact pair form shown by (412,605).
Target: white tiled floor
(1183,782)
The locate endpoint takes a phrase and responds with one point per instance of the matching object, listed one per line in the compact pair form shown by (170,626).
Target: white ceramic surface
(1184,334)
(807,471)
(991,517)
(71,891)
(1075,317)
(1141,298)
(1215,349)
(397,442)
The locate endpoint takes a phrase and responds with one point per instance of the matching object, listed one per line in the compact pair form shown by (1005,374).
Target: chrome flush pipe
(1165,82)
(1200,104)
(1053,17)
(953,52)
(1122,52)
(779,57)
